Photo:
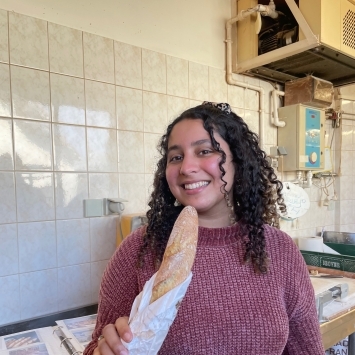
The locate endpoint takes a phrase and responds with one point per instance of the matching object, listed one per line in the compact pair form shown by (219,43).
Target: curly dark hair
(256,189)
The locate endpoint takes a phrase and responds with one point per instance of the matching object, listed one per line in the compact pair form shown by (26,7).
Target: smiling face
(193,172)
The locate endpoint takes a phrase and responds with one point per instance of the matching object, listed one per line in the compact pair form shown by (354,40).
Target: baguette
(179,254)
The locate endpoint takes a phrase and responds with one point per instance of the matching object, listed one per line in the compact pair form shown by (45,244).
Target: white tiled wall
(80,116)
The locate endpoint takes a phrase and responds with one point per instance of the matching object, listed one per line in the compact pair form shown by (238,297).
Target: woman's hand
(111,343)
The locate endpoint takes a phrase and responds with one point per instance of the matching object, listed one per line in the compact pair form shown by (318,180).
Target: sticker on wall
(296,201)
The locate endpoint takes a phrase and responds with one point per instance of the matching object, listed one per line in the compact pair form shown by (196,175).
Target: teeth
(195,185)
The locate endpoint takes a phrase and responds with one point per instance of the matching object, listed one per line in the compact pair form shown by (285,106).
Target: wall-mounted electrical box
(302,137)
(97,207)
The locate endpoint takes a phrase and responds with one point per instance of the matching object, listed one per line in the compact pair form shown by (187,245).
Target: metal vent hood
(325,47)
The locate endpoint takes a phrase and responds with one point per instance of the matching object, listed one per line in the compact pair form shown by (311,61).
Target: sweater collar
(216,237)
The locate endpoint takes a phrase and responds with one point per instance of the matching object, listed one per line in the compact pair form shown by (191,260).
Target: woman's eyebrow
(173,147)
(193,144)
(201,141)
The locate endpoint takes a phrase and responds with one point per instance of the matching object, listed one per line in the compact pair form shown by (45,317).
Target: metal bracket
(337,292)
(113,206)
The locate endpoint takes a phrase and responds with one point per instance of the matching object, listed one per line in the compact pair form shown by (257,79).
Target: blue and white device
(303,137)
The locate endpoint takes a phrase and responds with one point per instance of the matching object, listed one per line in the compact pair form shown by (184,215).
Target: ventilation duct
(309,37)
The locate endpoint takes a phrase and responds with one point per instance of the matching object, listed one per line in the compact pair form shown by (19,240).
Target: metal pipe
(265,10)
(276,121)
(231,81)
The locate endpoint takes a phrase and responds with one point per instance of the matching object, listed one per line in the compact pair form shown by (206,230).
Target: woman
(250,292)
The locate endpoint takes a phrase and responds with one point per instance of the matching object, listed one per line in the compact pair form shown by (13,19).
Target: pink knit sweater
(227,309)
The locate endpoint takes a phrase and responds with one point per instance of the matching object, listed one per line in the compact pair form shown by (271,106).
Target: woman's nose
(189,165)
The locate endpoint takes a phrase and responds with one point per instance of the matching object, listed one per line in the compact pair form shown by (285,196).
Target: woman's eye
(205,151)
(175,158)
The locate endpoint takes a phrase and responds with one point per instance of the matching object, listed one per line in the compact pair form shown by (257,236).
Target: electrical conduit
(232,81)
(276,121)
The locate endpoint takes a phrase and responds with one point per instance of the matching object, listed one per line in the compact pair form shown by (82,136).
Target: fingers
(96,351)
(123,329)
(111,343)
(104,349)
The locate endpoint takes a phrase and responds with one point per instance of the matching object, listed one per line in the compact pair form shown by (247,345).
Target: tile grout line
(14,171)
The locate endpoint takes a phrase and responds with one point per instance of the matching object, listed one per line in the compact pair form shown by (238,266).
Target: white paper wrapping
(150,323)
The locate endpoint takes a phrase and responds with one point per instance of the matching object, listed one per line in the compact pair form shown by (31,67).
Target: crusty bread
(179,254)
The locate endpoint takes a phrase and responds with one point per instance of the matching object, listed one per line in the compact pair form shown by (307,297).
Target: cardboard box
(310,91)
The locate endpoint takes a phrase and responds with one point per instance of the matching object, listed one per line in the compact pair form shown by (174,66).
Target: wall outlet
(93,207)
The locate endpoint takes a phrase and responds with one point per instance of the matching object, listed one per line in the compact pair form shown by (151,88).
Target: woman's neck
(216,222)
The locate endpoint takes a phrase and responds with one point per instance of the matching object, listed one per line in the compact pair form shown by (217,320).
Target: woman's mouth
(195,185)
